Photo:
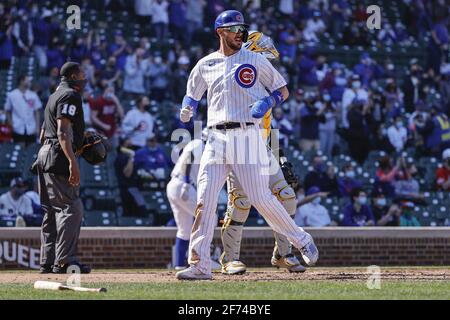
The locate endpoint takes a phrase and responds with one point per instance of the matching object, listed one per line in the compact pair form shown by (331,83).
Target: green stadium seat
(100,218)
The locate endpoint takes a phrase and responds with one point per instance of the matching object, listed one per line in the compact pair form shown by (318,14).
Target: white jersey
(191,154)
(138,126)
(21,206)
(233,83)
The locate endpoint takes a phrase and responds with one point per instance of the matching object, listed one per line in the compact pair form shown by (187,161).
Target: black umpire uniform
(60,200)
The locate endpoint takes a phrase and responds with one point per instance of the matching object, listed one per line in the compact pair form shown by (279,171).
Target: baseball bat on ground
(50,285)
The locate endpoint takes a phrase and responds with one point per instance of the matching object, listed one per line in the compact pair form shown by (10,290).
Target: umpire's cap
(229,18)
(69,68)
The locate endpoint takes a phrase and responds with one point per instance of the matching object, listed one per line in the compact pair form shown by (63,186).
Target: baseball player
(59,175)
(238,204)
(182,195)
(236,82)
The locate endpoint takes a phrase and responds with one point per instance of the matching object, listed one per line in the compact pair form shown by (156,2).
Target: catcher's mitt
(289,174)
(95,148)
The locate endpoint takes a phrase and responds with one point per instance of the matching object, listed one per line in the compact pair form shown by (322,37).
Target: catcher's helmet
(96,149)
(229,18)
(259,42)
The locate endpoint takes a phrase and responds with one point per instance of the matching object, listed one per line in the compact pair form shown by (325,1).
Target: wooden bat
(50,285)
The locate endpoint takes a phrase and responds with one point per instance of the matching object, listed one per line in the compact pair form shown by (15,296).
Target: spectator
(322,177)
(151,162)
(348,182)
(133,202)
(357,213)
(288,40)
(313,214)
(107,113)
(350,94)
(43,28)
(87,96)
(111,73)
(314,28)
(339,12)
(307,69)
(327,130)
(48,84)
(392,96)
(138,124)
(310,117)
(385,215)
(144,12)
(367,69)
(397,134)
(6,131)
(23,110)
(177,18)
(386,175)
(23,34)
(136,68)
(79,49)
(439,43)
(56,55)
(283,125)
(406,186)
(119,49)
(35,219)
(407,219)
(194,17)
(435,132)
(179,78)
(443,172)
(6,41)
(387,35)
(15,203)
(359,119)
(160,19)
(411,86)
(159,74)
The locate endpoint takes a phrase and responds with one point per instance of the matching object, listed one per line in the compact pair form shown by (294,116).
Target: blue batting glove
(260,107)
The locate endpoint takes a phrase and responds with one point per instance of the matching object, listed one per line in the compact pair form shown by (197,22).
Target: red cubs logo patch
(245,75)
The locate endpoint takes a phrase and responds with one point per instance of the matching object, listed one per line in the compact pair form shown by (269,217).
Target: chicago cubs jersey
(233,83)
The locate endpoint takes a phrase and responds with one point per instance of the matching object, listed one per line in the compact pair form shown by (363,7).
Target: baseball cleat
(309,252)
(74,267)
(178,268)
(289,262)
(234,267)
(192,273)
(46,268)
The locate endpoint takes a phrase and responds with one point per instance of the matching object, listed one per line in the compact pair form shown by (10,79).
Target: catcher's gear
(259,42)
(95,148)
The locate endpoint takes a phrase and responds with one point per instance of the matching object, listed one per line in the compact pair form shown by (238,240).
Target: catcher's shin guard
(286,195)
(236,215)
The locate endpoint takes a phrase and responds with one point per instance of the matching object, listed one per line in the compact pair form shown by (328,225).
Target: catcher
(63,139)
(282,184)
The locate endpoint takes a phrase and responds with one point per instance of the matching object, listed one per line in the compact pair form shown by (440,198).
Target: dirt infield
(162,276)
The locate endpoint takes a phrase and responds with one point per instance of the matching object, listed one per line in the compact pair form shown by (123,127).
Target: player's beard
(233,45)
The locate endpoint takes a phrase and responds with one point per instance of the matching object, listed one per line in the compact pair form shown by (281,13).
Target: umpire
(59,174)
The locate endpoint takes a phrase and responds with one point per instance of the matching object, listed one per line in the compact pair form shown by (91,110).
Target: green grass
(243,290)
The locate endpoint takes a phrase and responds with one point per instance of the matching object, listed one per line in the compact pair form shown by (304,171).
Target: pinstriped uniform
(234,83)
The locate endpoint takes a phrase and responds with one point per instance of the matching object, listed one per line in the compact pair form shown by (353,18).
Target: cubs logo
(245,75)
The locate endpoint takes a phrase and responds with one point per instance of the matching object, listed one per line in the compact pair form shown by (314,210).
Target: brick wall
(152,247)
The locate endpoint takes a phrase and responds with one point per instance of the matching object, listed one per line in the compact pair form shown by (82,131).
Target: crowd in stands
(334,108)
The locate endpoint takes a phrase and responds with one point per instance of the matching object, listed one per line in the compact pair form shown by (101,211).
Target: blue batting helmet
(229,18)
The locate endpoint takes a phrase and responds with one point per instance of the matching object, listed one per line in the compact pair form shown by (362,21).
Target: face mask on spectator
(326,97)
(316,201)
(362,200)
(381,202)
(356,84)
(350,174)
(340,81)
(399,124)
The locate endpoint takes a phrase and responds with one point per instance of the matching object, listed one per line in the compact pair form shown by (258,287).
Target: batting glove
(186,114)
(260,107)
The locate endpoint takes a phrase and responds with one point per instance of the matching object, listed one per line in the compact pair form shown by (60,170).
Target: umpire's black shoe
(82,268)
(46,268)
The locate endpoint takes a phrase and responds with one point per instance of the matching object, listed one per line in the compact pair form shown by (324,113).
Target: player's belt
(229,125)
